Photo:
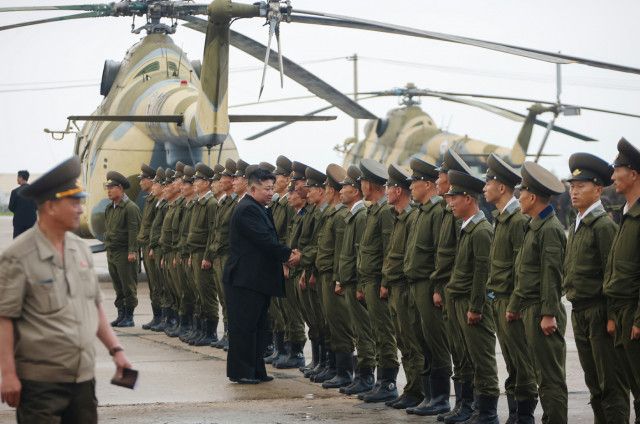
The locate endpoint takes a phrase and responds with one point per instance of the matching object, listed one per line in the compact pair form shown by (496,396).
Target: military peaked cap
(203,172)
(539,181)
(422,170)
(159,175)
(169,176)
(218,172)
(147,172)
(241,168)
(299,171)
(453,161)
(587,167)
(463,183)
(398,177)
(354,176)
(499,170)
(283,166)
(373,171)
(267,166)
(314,177)
(628,155)
(188,174)
(335,175)
(229,168)
(58,183)
(115,178)
(179,170)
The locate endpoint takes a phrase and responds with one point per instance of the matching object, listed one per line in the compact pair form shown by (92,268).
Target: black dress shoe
(245,380)
(266,378)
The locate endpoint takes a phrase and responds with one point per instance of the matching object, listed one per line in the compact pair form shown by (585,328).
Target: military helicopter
(159,107)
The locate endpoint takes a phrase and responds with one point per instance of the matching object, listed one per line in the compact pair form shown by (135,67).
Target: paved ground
(187,385)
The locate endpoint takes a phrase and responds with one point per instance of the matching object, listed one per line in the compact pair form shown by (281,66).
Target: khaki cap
(115,178)
(335,175)
(57,183)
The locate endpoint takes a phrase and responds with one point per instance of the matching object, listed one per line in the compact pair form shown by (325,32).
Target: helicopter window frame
(152,67)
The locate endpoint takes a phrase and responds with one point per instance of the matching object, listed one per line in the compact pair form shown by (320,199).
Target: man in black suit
(24,210)
(253,273)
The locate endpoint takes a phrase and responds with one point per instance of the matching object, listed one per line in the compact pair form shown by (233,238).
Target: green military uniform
(154,246)
(419,264)
(401,305)
(373,246)
(537,292)
(294,330)
(466,292)
(173,264)
(148,213)
(52,303)
(622,280)
(122,223)
(202,220)
(588,245)
(167,252)
(509,228)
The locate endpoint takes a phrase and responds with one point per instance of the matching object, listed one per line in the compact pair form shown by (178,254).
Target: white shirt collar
(589,209)
(513,199)
(221,199)
(477,215)
(356,206)
(626,208)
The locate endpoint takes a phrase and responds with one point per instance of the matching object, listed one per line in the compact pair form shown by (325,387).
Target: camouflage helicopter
(159,107)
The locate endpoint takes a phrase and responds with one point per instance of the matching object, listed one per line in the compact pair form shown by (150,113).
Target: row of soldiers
(396,261)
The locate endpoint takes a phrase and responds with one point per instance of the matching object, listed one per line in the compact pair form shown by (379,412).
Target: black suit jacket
(255,253)
(24,210)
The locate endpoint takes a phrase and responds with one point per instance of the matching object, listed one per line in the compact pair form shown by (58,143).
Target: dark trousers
(248,332)
(64,403)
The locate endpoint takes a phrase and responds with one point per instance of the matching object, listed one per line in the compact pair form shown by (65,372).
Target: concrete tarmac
(187,385)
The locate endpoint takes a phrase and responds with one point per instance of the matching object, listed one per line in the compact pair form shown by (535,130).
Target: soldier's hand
(548,325)
(437,300)
(10,390)
(121,361)
(512,316)
(611,327)
(150,253)
(173,262)
(205,264)
(302,282)
(189,261)
(161,263)
(635,333)
(384,293)
(339,290)
(285,270)
(360,296)
(312,280)
(473,318)
(132,257)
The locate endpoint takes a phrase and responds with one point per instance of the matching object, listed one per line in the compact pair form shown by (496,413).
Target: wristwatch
(115,350)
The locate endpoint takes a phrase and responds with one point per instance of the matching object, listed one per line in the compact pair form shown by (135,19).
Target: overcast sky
(73,53)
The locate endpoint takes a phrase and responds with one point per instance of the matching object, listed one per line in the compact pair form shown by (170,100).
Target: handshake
(294,258)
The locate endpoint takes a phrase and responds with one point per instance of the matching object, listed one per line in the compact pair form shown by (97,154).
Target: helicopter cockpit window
(173,68)
(154,66)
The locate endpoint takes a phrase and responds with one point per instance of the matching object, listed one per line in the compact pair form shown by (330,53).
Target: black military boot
(320,364)
(344,372)
(224,340)
(329,370)
(439,388)
(487,410)
(154,320)
(466,405)
(362,383)
(185,326)
(407,400)
(271,347)
(115,322)
(513,410)
(175,331)
(526,409)
(194,327)
(385,388)
(285,354)
(164,315)
(426,388)
(172,322)
(214,331)
(457,388)
(279,349)
(127,318)
(295,359)
(207,332)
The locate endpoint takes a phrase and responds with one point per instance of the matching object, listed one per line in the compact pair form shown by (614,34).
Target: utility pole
(354,59)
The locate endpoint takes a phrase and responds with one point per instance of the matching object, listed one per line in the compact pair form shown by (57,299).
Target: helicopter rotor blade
(284,124)
(272,28)
(291,69)
(56,19)
(280,65)
(319,18)
(83,7)
(279,118)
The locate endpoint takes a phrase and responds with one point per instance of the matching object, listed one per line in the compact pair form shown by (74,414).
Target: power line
(60,87)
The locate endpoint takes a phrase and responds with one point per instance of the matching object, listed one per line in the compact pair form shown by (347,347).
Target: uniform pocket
(46,297)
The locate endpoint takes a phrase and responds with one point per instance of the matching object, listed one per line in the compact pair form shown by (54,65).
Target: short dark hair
(24,174)
(260,175)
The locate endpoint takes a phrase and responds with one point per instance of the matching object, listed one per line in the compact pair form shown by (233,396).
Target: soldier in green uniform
(218,239)
(122,223)
(347,285)
(588,245)
(339,328)
(395,288)
(537,292)
(146,178)
(622,276)
(466,293)
(445,258)
(155,250)
(200,260)
(509,227)
(172,196)
(282,214)
(310,289)
(373,246)
(186,278)
(419,264)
